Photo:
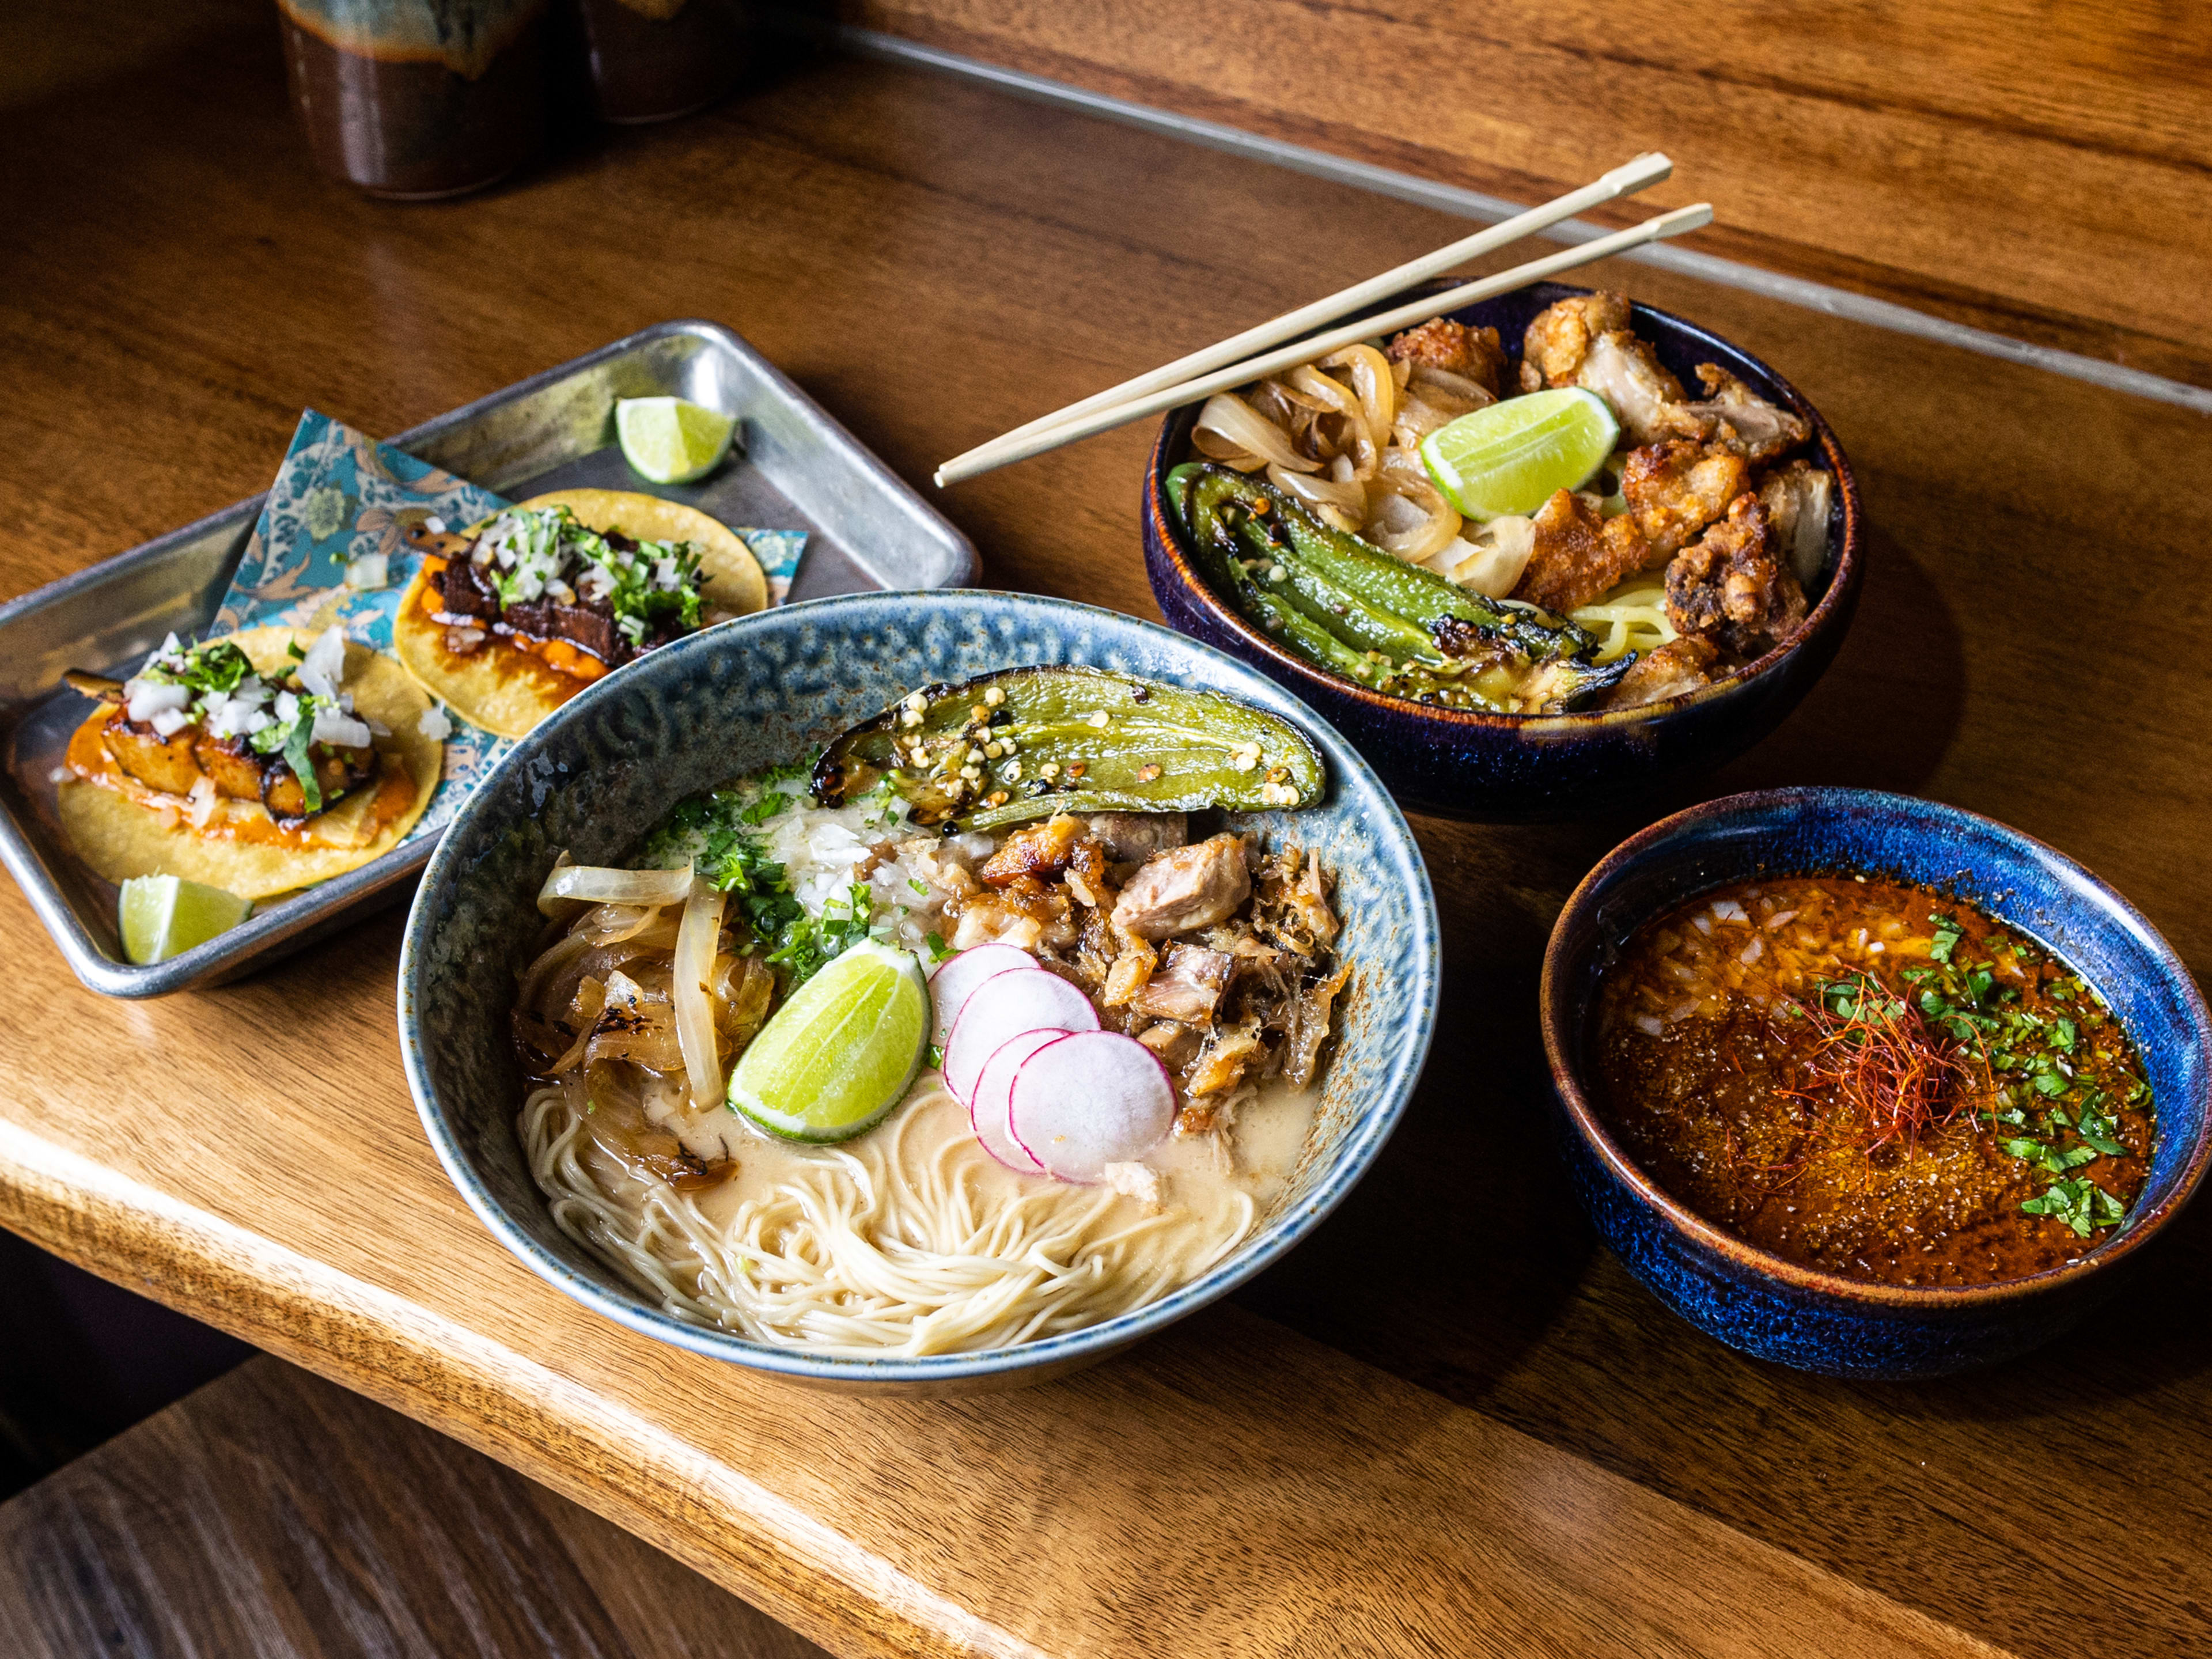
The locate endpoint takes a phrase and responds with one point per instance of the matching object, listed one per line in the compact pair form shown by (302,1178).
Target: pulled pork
(1217,957)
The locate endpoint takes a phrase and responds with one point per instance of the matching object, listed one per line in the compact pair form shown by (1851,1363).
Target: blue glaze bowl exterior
(1510,767)
(595,776)
(1818,1322)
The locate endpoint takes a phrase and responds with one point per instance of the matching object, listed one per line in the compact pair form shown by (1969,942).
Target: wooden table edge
(446,1375)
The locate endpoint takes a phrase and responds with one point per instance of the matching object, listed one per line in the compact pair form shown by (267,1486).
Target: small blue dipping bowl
(600,772)
(1819,1322)
(1466,763)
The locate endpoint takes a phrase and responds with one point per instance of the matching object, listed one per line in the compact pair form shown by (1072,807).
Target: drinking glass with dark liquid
(417,99)
(651,60)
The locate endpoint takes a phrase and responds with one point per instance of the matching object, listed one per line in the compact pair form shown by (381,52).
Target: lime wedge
(1513,457)
(841,1051)
(670,440)
(161,916)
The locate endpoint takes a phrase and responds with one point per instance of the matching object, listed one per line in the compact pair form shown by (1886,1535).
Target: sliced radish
(1088,1100)
(1003,1007)
(987,1111)
(955,978)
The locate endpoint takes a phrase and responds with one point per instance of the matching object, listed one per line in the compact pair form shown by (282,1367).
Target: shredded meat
(1745,423)
(1176,1043)
(1729,586)
(1309,1018)
(1797,502)
(989,921)
(1133,837)
(1183,888)
(1475,353)
(1220,1067)
(1675,667)
(1675,488)
(1189,986)
(1579,556)
(1035,850)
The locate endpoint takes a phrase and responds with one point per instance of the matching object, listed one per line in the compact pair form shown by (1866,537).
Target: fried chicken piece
(1675,488)
(1586,342)
(1560,336)
(1745,423)
(1579,556)
(1476,353)
(1729,586)
(1676,667)
(1797,502)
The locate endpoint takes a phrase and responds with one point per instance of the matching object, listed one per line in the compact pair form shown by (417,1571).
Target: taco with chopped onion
(260,763)
(507,620)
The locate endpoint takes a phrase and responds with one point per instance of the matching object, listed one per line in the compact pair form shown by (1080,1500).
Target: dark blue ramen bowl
(1507,768)
(596,775)
(1818,1322)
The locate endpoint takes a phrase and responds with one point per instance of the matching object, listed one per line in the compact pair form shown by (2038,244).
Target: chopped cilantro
(2082,1204)
(1947,934)
(938,949)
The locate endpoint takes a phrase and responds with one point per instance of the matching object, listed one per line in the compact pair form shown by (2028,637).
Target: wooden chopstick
(990,458)
(1625,179)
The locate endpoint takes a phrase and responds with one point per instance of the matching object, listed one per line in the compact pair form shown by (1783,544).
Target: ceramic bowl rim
(1362,1146)
(1555,1008)
(1843,582)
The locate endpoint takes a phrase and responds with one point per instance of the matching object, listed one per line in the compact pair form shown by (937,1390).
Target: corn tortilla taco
(507,620)
(263,761)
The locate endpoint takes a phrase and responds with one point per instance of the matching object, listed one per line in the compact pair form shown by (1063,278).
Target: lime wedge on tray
(1513,457)
(162,916)
(841,1051)
(670,440)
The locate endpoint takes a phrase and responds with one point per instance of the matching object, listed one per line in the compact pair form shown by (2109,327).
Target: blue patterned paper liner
(339,496)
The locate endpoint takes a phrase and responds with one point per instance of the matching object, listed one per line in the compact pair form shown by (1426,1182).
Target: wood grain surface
(1450,1423)
(2040,167)
(272,1516)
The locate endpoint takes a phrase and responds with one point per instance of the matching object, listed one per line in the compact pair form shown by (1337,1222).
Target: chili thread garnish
(1890,1074)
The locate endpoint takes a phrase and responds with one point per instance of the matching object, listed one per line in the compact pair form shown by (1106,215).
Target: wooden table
(272,1516)
(1451,1423)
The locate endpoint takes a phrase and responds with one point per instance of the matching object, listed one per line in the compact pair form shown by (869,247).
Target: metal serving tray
(798,470)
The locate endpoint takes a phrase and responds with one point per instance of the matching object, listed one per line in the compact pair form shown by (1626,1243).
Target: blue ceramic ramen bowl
(597,775)
(1818,1322)
(1466,763)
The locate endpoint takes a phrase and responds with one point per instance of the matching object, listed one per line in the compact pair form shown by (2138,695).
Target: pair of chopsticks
(1219,367)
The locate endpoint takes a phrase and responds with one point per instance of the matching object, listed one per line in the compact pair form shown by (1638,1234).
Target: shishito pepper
(1352,608)
(1029,742)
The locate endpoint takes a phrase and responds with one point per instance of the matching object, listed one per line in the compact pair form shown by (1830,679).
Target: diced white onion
(370,570)
(324,665)
(693,969)
(288,709)
(435,724)
(332,726)
(597,884)
(143,699)
(167,722)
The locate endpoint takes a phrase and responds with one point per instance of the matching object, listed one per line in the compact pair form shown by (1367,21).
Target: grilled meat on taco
(509,619)
(258,763)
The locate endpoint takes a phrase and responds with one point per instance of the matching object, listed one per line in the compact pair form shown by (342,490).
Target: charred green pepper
(1030,742)
(1353,609)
